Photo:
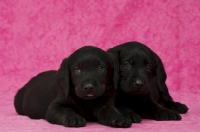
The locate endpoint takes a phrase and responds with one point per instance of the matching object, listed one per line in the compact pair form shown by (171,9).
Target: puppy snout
(139,82)
(89,88)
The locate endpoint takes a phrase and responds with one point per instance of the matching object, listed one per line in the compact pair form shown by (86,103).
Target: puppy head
(88,73)
(139,67)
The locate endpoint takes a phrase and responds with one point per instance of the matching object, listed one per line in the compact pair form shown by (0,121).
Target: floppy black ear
(160,70)
(115,65)
(114,51)
(161,78)
(63,77)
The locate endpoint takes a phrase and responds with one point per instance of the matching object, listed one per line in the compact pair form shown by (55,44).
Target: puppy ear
(160,70)
(114,51)
(115,65)
(63,77)
(161,78)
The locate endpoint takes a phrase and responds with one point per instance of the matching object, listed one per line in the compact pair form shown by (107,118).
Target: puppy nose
(88,87)
(139,83)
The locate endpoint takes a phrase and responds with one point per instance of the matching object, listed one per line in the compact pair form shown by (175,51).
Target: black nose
(89,88)
(139,83)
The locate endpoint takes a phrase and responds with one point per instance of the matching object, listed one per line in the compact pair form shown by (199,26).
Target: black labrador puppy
(142,84)
(83,89)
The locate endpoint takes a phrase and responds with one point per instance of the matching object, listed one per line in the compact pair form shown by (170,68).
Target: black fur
(142,85)
(83,89)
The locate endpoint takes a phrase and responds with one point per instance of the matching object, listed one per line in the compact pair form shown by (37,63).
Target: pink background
(35,35)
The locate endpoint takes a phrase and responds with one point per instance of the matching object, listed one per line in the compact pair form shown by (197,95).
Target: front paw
(135,118)
(164,115)
(178,107)
(115,120)
(74,120)
(128,113)
(118,121)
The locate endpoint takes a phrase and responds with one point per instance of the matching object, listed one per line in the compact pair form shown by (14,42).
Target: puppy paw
(129,114)
(74,120)
(118,121)
(135,118)
(115,120)
(164,115)
(178,107)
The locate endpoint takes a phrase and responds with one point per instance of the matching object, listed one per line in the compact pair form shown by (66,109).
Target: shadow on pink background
(35,35)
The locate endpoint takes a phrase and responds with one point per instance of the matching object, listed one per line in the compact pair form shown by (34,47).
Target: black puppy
(81,90)
(142,83)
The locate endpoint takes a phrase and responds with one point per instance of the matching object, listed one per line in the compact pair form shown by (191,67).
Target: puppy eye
(126,64)
(149,66)
(101,68)
(77,70)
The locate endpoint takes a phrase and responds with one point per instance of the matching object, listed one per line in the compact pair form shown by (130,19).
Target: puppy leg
(59,114)
(153,110)
(176,106)
(166,100)
(128,113)
(18,102)
(110,116)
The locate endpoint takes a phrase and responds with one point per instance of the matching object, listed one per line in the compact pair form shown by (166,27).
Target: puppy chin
(88,96)
(135,91)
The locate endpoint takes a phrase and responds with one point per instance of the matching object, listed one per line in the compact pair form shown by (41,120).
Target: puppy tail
(18,101)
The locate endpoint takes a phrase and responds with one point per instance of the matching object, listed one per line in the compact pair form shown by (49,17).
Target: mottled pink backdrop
(35,35)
